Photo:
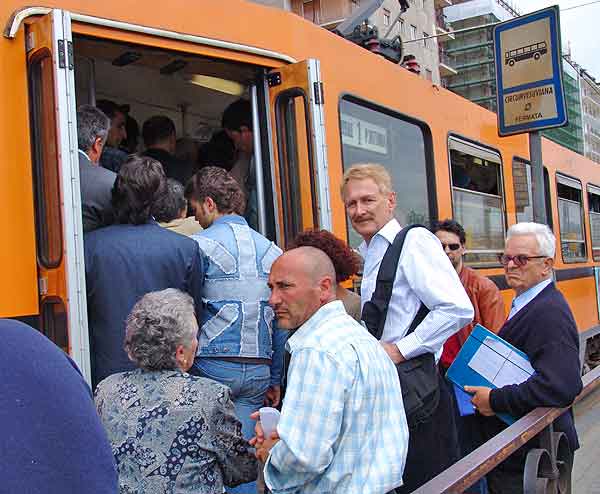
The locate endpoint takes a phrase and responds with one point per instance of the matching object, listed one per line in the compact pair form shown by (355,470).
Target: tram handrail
(471,468)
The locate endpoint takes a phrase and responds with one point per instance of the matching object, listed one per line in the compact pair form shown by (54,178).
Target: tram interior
(190,89)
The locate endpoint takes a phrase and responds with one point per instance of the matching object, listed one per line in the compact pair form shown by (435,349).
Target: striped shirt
(342,428)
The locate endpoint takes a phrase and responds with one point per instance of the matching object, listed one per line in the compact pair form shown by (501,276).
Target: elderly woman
(170,431)
(346,262)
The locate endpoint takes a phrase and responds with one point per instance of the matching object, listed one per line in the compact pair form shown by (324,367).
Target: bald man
(342,427)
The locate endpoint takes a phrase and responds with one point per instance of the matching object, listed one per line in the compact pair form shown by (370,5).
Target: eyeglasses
(450,246)
(519,261)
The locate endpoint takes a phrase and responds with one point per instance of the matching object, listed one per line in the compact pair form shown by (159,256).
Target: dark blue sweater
(51,439)
(545,330)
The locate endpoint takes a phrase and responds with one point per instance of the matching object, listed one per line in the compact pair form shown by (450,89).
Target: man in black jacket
(540,324)
(160,140)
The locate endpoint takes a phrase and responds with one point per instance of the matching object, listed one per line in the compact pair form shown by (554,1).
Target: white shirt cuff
(410,346)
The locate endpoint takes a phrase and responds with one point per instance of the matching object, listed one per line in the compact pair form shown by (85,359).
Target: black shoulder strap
(385,284)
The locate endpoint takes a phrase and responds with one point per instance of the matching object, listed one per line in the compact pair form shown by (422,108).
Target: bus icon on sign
(535,51)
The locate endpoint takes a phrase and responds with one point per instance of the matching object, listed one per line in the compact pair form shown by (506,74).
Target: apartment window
(594,205)
(428,75)
(371,134)
(355,4)
(425,36)
(401,21)
(387,17)
(570,219)
(478,200)
(413,31)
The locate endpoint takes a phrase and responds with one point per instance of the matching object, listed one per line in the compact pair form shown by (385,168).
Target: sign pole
(537,177)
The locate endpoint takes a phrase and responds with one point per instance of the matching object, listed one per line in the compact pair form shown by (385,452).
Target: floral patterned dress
(173,433)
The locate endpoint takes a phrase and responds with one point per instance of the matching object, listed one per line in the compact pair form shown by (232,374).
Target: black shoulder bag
(419,378)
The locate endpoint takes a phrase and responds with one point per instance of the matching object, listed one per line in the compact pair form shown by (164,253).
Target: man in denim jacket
(239,344)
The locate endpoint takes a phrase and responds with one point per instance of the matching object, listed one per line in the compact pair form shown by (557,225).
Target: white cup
(269,417)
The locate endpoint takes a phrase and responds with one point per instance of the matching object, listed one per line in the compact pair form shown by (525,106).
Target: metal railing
(546,467)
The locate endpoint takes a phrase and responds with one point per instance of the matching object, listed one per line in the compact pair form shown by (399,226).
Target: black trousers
(432,446)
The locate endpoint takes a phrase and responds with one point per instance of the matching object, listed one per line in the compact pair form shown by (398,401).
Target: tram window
(521,171)
(294,149)
(371,134)
(478,200)
(594,205)
(45,162)
(570,219)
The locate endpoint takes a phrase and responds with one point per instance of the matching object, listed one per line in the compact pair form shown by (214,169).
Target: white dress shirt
(424,274)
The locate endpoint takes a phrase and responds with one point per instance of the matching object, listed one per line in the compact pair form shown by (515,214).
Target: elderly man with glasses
(540,324)
(489,312)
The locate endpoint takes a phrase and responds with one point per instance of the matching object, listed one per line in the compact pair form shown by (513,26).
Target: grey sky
(580,28)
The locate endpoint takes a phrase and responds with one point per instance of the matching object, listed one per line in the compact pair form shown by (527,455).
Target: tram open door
(297,127)
(57,202)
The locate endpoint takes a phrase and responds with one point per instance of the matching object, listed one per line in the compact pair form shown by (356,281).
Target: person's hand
(393,352)
(262,453)
(259,435)
(262,444)
(273,396)
(481,399)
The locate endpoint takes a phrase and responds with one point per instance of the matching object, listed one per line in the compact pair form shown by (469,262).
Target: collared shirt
(342,428)
(424,274)
(527,296)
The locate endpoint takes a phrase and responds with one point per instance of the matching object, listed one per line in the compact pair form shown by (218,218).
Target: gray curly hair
(158,323)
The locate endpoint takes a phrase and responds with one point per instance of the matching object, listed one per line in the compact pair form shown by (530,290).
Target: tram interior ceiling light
(126,58)
(172,67)
(217,84)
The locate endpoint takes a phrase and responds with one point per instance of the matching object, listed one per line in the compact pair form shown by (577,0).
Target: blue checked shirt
(342,428)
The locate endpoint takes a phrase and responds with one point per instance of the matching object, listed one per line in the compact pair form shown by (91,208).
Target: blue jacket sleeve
(279,337)
(195,279)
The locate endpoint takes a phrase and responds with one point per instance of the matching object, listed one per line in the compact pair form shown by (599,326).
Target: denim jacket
(236,319)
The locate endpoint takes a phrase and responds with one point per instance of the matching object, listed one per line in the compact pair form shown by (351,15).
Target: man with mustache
(424,275)
(342,428)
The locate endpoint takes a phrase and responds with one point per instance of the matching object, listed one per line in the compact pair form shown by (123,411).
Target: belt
(244,360)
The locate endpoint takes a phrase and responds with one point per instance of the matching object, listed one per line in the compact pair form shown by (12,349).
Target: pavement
(586,471)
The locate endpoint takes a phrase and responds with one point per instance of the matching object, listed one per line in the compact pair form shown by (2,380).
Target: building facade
(590,103)
(473,53)
(417,26)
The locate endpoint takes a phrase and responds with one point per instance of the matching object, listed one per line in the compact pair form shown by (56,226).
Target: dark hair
(345,261)
(220,186)
(133,133)
(156,129)
(219,151)
(140,183)
(237,114)
(169,205)
(450,226)
(91,124)
(110,108)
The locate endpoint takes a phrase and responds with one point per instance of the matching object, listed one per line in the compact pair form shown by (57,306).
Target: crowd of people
(195,324)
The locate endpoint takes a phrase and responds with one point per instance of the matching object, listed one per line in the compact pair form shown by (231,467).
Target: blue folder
(461,374)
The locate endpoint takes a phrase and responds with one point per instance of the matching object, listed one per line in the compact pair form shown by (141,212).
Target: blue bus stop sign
(527,54)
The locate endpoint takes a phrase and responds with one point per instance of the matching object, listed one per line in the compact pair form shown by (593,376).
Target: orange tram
(320,104)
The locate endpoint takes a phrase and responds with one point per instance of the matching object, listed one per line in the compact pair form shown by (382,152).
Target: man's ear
(549,264)
(326,284)
(210,203)
(96,149)
(392,201)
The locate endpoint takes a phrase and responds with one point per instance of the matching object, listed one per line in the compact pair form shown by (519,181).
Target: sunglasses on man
(519,261)
(450,246)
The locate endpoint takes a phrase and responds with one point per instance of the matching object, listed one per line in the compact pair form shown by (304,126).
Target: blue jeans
(248,384)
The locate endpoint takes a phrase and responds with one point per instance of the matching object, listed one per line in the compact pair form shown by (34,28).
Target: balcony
(442,28)
(446,64)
